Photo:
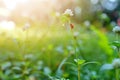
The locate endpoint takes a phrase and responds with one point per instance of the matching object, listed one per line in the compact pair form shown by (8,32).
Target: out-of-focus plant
(116,62)
(116,43)
(79,61)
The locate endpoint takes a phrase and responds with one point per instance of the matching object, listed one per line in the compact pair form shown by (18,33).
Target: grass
(41,52)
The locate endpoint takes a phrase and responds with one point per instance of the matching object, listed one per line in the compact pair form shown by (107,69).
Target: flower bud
(68,12)
(116,29)
(26,26)
(116,63)
(71,26)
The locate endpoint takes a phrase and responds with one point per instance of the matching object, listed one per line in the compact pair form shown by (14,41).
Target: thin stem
(78,72)
(117,73)
(117,36)
(76,55)
(118,52)
(26,41)
(117,70)
(80,51)
(75,47)
(63,62)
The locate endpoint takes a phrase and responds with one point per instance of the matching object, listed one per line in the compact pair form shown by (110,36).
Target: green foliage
(115,43)
(50,53)
(103,42)
(78,61)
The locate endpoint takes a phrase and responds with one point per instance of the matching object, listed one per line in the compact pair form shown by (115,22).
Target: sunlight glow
(11,4)
(7,25)
(4,12)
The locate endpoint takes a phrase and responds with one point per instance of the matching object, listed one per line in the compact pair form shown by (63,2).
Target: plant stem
(76,54)
(78,66)
(118,52)
(117,73)
(117,37)
(78,72)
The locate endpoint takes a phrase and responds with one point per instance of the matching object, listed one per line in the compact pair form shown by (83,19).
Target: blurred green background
(35,44)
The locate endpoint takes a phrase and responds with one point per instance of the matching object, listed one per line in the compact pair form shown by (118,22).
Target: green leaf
(115,43)
(79,61)
(64,18)
(91,63)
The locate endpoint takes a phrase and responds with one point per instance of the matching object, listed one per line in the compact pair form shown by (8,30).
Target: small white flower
(32,78)
(116,29)
(114,47)
(78,10)
(57,14)
(87,23)
(60,49)
(40,62)
(68,12)
(116,63)
(47,70)
(104,16)
(106,67)
(6,65)
(26,26)
(28,56)
(113,23)
(75,34)
(15,40)
(94,1)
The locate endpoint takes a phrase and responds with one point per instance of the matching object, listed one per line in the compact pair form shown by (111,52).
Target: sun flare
(11,4)
(7,25)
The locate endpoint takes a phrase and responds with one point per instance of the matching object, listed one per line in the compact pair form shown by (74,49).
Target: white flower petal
(68,12)
(106,67)
(116,63)
(116,29)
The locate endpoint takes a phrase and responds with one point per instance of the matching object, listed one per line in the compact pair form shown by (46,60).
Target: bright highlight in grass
(7,25)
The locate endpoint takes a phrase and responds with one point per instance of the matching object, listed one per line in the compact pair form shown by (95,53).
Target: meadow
(50,54)
(61,48)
